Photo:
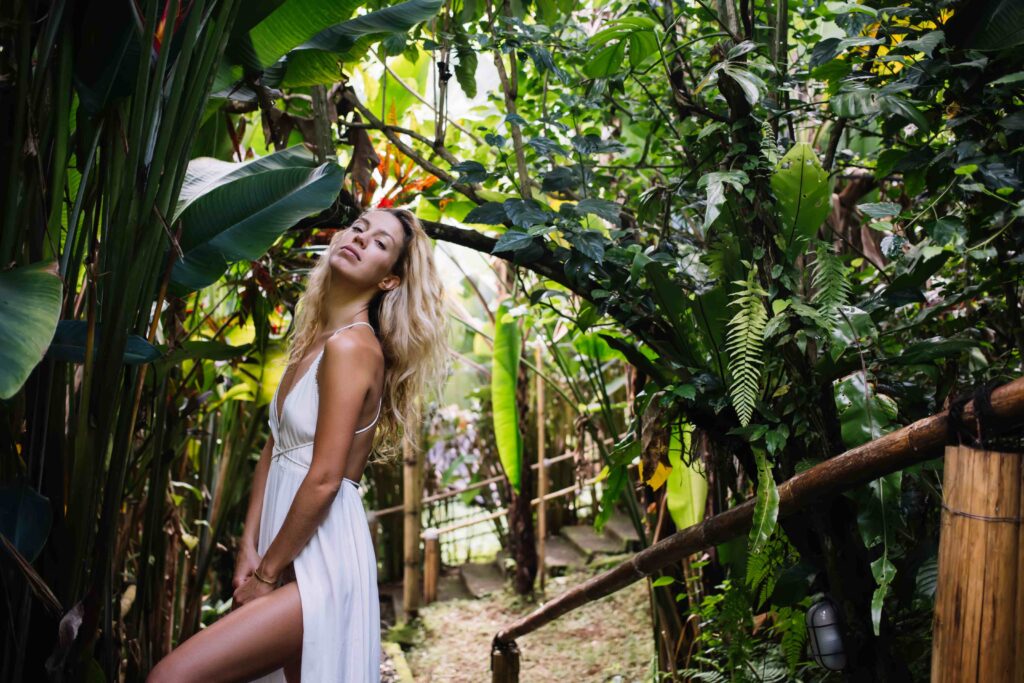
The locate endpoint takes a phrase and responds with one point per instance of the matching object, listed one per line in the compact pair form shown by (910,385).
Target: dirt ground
(607,641)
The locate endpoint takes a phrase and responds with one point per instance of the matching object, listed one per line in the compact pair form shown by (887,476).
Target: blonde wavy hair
(412,325)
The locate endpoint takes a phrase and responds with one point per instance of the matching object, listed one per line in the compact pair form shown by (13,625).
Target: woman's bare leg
(293,669)
(247,642)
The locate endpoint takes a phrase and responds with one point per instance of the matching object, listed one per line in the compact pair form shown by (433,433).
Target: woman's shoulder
(362,350)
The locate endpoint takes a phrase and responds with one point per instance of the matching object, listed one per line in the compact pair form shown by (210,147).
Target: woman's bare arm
(347,369)
(251,531)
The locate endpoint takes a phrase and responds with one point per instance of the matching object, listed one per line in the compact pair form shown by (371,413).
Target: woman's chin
(345,274)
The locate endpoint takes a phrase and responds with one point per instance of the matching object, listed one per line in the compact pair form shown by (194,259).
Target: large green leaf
(884,571)
(674,306)
(605,62)
(999,25)
(295,22)
(638,359)
(25,518)
(232,212)
(68,344)
(863,414)
(394,19)
(686,487)
(306,39)
(504,372)
(801,187)
(206,174)
(29,308)
(766,509)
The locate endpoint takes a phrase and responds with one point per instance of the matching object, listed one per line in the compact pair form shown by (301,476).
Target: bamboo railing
(417,592)
(432,536)
(922,440)
(469,487)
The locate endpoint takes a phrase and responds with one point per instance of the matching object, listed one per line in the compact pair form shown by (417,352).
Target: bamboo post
(504,662)
(542,471)
(431,565)
(590,454)
(412,495)
(978,631)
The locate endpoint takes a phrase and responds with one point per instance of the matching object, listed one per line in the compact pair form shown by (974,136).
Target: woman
(305,600)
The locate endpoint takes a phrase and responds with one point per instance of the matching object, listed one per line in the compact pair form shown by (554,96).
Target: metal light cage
(825,635)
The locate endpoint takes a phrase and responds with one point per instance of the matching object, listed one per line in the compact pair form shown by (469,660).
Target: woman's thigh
(255,639)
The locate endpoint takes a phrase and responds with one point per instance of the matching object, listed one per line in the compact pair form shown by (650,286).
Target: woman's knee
(170,669)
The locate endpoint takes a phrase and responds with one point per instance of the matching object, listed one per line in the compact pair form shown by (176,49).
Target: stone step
(560,555)
(450,586)
(481,578)
(590,542)
(620,525)
(391,598)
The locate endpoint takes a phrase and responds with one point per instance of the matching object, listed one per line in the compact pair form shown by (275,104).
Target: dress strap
(358,322)
(379,402)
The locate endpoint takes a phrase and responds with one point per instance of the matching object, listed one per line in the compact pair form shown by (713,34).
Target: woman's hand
(248,559)
(250,589)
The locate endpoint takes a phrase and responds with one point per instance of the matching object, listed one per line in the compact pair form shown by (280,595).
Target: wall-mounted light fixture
(824,632)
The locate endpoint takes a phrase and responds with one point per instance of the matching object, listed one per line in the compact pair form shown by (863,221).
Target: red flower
(385,202)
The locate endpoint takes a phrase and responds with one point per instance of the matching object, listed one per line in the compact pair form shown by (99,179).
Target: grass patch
(607,640)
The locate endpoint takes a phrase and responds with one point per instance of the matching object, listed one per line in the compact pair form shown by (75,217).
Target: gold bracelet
(256,573)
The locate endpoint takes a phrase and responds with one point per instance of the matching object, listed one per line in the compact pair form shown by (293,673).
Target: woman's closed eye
(379,243)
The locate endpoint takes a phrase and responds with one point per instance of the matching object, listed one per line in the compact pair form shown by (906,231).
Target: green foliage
(504,376)
(727,649)
(802,189)
(686,487)
(791,624)
(233,212)
(301,42)
(716,183)
(30,299)
(653,148)
(25,519)
(766,515)
(831,283)
(745,344)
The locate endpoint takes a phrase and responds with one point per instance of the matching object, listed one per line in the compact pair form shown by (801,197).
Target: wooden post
(431,565)
(504,662)
(978,630)
(374,523)
(412,496)
(542,472)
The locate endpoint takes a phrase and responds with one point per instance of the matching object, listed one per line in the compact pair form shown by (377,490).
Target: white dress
(336,571)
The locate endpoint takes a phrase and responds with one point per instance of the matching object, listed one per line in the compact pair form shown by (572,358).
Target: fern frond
(794,636)
(744,344)
(769,144)
(831,282)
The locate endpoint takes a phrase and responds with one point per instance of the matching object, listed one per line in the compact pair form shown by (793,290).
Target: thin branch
(408,151)
(419,97)
(441,150)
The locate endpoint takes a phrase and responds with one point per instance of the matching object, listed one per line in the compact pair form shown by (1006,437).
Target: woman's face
(366,252)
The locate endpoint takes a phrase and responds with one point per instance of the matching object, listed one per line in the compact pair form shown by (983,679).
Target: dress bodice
(294,428)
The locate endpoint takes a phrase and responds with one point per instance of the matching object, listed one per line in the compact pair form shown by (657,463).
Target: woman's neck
(346,316)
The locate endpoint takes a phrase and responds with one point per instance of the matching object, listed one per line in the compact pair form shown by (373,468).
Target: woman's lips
(351,251)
